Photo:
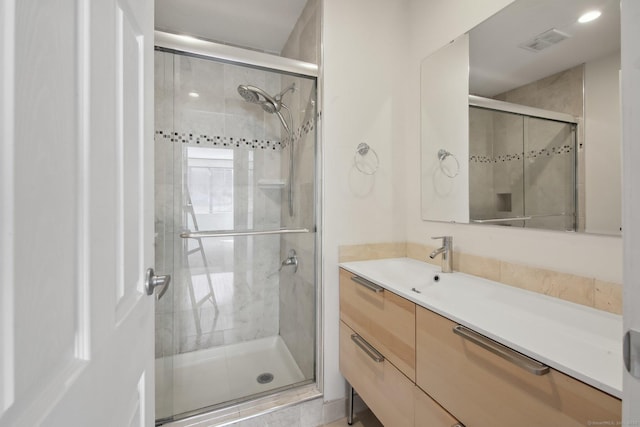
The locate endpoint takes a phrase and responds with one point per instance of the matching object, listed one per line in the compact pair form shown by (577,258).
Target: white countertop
(580,341)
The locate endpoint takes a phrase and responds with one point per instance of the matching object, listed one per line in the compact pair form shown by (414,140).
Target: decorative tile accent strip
(231,142)
(550,152)
(501,158)
(545,152)
(303,130)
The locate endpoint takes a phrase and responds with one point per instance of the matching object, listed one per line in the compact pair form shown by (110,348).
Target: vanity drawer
(483,389)
(429,414)
(385,390)
(384,319)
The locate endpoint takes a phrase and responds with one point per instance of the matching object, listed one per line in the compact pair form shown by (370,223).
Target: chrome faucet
(447,253)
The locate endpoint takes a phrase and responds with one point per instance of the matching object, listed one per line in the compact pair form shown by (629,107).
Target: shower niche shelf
(271,183)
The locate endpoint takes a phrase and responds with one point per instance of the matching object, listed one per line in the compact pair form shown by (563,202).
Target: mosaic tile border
(235,142)
(545,152)
(499,159)
(219,141)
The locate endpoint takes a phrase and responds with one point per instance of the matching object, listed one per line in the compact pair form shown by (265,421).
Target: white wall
(433,24)
(365,88)
(602,145)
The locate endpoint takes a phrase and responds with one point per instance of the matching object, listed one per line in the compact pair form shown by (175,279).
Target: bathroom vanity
(425,348)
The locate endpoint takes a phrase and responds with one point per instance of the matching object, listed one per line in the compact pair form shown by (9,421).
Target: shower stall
(236,197)
(522,166)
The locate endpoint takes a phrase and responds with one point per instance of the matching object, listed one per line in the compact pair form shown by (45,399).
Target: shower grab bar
(518,218)
(227,233)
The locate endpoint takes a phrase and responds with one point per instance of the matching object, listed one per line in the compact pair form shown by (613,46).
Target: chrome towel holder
(359,159)
(442,156)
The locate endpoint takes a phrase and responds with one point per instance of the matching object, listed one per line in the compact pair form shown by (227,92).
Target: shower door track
(523,110)
(200,234)
(232,54)
(519,218)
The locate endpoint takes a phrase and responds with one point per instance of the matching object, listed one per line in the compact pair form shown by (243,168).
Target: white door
(631,190)
(76,213)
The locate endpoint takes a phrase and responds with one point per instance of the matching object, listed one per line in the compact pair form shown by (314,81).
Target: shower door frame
(188,45)
(523,110)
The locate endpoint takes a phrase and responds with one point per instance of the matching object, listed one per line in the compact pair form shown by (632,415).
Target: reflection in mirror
(521,166)
(534,53)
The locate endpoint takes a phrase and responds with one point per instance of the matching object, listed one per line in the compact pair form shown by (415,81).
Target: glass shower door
(238,231)
(550,174)
(166,241)
(496,187)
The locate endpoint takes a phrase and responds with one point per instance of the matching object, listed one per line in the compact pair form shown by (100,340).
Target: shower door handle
(152,282)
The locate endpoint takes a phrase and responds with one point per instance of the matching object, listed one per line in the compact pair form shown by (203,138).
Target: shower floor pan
(221,374)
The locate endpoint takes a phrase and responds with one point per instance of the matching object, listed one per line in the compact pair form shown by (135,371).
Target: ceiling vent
(544,40)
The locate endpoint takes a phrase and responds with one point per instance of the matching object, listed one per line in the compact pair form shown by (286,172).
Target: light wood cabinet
(387,392)
(412,369)
(382,318)
(429,414)
(483,389)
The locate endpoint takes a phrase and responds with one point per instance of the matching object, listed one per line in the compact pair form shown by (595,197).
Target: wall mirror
(520,120)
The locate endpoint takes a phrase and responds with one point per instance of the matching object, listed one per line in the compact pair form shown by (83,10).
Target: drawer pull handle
(367,284)
(367,348)
(524,362)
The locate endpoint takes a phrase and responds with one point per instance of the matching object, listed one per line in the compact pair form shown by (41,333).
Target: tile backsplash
(606,296)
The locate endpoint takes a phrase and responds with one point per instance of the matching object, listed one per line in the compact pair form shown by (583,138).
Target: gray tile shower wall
(298,290)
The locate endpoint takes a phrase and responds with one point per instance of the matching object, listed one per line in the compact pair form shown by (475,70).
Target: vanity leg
(350,405)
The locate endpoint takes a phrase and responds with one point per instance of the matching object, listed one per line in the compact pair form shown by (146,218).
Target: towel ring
(442,155)
(358,158)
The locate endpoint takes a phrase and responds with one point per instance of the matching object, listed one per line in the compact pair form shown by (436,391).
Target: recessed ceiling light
(589,16)
(194,94)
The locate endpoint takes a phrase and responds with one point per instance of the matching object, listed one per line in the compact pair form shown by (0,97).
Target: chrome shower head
(253,94)
(247,94)
(270,104)
(270,107)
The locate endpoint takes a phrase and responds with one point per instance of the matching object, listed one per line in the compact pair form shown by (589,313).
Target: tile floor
(362,419)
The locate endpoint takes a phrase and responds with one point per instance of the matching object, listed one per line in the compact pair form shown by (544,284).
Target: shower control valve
(292,259)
